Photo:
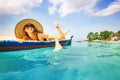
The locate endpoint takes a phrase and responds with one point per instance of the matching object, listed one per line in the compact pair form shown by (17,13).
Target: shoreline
(102,41)
(99,41)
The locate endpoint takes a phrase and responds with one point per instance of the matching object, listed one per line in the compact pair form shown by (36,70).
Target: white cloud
(53,8)
(16,7)
(65,7)
(111,9)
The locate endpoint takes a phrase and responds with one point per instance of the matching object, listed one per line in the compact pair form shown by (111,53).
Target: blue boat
(12,45)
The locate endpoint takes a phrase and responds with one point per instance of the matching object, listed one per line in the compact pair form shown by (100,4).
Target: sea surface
(80,61)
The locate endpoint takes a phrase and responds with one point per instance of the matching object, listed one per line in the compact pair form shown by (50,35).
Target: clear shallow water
(80,61)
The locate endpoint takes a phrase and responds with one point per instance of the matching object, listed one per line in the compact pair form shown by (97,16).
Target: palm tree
(105,34)
(96,36)
(90,36)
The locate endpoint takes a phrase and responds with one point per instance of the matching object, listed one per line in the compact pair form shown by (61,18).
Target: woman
(32,30)
(33,34)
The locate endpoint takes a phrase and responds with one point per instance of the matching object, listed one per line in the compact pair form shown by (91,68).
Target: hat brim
(20,25)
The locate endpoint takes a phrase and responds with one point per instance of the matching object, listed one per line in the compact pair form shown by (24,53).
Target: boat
(13,45)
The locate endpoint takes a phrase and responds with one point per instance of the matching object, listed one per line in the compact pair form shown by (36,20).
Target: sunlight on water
(80,61)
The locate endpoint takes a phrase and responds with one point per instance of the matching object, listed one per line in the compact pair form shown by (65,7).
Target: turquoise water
(80,61)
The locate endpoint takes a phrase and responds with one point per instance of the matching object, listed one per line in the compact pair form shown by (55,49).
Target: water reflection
(103,45)
(22,60)
(110,55)
(14,65)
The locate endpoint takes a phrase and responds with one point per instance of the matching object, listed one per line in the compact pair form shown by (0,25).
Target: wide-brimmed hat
(19,29)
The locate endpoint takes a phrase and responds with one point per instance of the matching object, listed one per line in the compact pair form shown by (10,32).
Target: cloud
(53,8)
(111,9)
(16,7)
(65,7)
(62,7)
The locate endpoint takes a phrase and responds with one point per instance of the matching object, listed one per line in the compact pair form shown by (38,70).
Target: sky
(80,16)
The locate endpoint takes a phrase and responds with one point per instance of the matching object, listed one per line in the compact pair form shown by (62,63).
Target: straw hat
(19,32)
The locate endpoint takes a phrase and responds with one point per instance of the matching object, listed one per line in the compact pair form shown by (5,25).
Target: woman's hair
(27,25)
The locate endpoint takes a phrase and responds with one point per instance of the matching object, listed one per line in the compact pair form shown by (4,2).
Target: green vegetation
(117,34)
(103,35)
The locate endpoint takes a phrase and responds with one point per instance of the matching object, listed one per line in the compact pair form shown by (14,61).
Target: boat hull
(8,45)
